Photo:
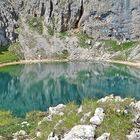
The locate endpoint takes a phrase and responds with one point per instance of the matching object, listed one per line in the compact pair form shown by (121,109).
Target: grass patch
(8,56)
(8,124)
(63,35)
(83,38)
(11,54)
(50,30)
(35,23)
(68,120)
(115,46)
(118,124)
(63,55)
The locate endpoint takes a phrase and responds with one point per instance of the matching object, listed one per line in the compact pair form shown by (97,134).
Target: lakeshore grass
(117,124)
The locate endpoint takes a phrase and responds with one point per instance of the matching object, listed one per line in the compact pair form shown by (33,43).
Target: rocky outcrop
(8,24)
(98,117)
(110,18)
(84,132)
(81,132)
(96,18)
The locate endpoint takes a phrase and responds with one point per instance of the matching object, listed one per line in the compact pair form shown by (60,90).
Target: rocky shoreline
(93,123)
(128,63)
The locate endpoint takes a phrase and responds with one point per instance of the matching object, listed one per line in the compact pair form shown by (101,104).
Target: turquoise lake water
(30,87)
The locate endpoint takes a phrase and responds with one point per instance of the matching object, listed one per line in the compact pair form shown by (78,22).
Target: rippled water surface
(25,88)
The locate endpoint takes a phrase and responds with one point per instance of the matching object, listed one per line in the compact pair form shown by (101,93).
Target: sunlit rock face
(8,23)
(98,18)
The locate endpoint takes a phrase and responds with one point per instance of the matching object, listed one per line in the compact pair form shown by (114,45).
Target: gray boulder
(81,132)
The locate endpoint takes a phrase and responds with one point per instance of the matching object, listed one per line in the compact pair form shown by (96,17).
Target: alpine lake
(36,87)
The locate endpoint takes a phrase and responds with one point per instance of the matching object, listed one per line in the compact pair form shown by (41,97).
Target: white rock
(81,132)
(38,134)
(98,117)
(80,109)
(125,111)
(97,44)
(105,136)
(111,98)
(118,110)
(136,106)
(118,99)
(61,114)
(105,99)
(20,135)
(134,135)
(24,123)
(95,120)
(57,109)
(89,42)
(22,132)
(52,137)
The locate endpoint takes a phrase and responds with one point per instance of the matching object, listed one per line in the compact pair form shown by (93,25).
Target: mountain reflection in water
(25,88)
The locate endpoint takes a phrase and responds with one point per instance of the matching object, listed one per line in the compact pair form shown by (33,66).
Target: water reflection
(24,88)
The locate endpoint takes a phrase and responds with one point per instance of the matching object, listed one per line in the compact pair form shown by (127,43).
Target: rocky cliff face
(97,18)
(8,18)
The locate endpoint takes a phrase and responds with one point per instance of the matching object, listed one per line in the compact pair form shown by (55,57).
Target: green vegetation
(117,123)
(8,124)
(63,35)
(115,46)
(35,23)
(8,56)
(83,38)
(11,54)
(50,30)
(63,55)
(69,119)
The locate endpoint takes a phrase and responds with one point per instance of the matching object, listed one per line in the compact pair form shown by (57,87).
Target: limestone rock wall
(8,24)
(98,18)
